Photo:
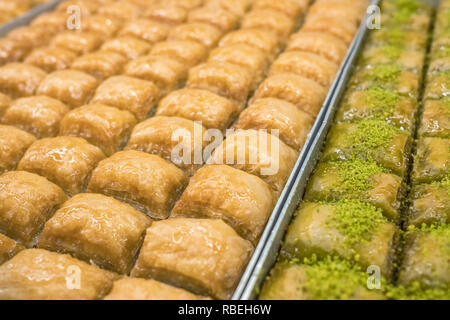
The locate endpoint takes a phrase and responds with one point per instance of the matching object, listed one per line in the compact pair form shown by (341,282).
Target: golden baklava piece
(145,181)
(259,153)
(170,15)
(31,36)
(187,52)
(147,289)
(242,200)
(221,18)
(8,248)
(66,161)
(12,51)
(103,126)
(212,110)
(185,4)
(86,7)
(237,7)
(126,93)
(305,64)
(38,115)
(27,201)
(254,59)
(293,124)
(145,29)
(321,43)
(97,229)
(177,140)
(100,64)
(53,21)
(20,80)
(266,40)
(13,144)
(204,33)
(105,26)
(204,256)
(341,29)
(127,46)
(51,59)
(306,94)
(120,9)
(168,74)
(79,42)
(269,19)
(72,87)
(5,101)
(226,79)
(36,274)
(291,8)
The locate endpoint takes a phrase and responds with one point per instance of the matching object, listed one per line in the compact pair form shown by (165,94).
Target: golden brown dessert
(127,93)
(143,289)
(218,17)
(203,33)
(27,201)
(78,42)
(226,79)
(66,161)
(321,43)
(342,29)
(120,9)
(100,64)
(13,144)
(129,47)
(145,29)
(5,101)
(105,26)
(96,229)
(187,52)
(170,15)
(259,153)
(38,115)
(177,140)
(305,64)
(51,59)
(290,8)
(293,124)
(74,88)
(270,20)
(20,80)
(31,36)
(36,274)
(266,40)
(8,248)
(103,126)
(214,111)
(52,21)
(168,74)
(306,94)
(204,256)
(145,181)
(238,7)
(12,51)
(221,192)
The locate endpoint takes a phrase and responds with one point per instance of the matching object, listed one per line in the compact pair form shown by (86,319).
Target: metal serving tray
(26,18)
(266,252)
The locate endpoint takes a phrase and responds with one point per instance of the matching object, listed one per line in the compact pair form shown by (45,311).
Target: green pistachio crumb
(355,176)
(356,220)
(381,101)
(384,73)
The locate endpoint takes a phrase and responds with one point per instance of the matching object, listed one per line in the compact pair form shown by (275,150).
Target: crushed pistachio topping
(395,36)
(332,278)
(441,233)
(382,102)
(370,135)
(442,51)
(354,176)
(391,52)
(356,220)
(384,73)
(416,291)
(446,101)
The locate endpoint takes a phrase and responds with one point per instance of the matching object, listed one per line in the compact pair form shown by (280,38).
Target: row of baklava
(10,9)
(110,232)
(181,228)
(349,221)
(425,268)
(144,180)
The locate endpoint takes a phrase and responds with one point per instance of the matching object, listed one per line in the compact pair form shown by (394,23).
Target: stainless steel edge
(26,18)
(266,252)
